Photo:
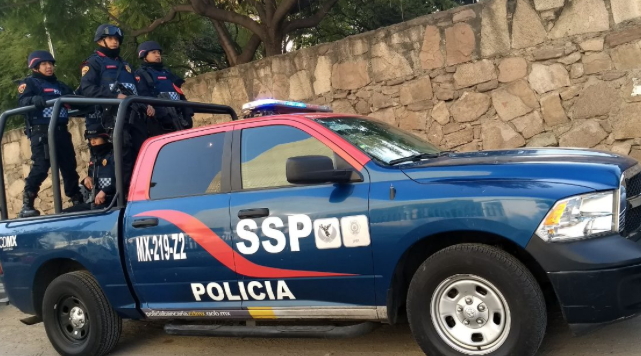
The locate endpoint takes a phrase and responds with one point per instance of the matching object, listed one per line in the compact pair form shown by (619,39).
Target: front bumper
(596,281)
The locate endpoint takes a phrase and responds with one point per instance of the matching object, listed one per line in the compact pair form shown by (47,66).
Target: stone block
(465,15)
(15,189)
(424,105)
(626,123)
(620,37)
(485,87)
(552,110)
(511,69)
(25,148)
(411,120)
(577,70)
(430,55)
(622,147)
(362,107)
(470,74)
(434,133)
(571,92)
(624,10)
(547,78)
(581,16)
(595,100)
(613,75)
(11,153)
(514,100)
(594,44)
(452,127)
(350,75)
(417,90)
(470,107)
(459,138)
(441,113)
(343,107)
(627,56)
(529,125)
(323,75)
(497,135)
(542,5)
(385,115)
(379,101)
(585,134)
(495,35)
(546,139)
(546,53)
(460,43)
(573,58)
(527,29)
(388,64)
(300,86)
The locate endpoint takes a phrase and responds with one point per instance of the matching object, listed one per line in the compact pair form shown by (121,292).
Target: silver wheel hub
(470,314)
(77,317)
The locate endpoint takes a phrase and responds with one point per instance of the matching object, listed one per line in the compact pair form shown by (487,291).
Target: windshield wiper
(418,157)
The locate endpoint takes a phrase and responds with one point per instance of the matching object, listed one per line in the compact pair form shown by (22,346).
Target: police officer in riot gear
(157,81)
(101,174)
(106,75)
(36,89)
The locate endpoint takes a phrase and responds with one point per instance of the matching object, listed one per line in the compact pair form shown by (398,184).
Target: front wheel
(473,299)
(78,318)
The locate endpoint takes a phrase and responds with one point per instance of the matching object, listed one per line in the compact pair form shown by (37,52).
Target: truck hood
(588,168)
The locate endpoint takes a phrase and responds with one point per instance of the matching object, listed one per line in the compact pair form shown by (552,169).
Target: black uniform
(156,81)
(48,88)
(102,170)
(100,76)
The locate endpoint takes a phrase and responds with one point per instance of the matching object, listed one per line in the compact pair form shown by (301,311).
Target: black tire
(518,287)
(79,293)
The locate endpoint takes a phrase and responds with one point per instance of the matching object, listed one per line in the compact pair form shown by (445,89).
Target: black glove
(39,102)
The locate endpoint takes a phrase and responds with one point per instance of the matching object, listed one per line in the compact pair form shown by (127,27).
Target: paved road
(144,338)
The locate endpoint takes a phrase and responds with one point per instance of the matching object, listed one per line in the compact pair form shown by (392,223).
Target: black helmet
(96,130)
(147,47)
(105,30)
(37,57)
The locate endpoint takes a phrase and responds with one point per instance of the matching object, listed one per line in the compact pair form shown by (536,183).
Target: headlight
(580,217)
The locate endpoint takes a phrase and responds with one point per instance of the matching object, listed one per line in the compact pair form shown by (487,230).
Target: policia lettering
(36,89)
(254,290)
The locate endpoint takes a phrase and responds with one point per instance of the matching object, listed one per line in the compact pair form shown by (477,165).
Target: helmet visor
(112,31)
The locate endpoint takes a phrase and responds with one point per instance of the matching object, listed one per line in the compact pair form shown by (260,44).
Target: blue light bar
(273,103)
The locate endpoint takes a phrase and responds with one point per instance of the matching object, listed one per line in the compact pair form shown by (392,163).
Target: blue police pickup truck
(320,224)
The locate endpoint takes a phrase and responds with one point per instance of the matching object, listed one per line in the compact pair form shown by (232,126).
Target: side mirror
(318,170)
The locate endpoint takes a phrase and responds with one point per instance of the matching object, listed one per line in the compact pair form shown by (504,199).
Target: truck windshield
(380,141)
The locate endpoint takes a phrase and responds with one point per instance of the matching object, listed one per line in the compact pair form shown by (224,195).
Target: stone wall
(497,74)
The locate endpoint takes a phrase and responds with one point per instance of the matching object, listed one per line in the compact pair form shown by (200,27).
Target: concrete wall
(497,74)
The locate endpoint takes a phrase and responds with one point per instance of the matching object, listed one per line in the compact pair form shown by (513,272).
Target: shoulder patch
(85,69)
(138,78)
(127,68)
(22,87)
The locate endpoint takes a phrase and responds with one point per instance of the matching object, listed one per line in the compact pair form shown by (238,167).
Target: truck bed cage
(123,105)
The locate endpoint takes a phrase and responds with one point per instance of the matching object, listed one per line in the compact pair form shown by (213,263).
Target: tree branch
(216,13)
(250,49)
(270,7)
(311,21)
(168,17)
(225,42)
(283,9)
(113,17)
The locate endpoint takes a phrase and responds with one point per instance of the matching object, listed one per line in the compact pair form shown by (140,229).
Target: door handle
(253,213)
(143,223)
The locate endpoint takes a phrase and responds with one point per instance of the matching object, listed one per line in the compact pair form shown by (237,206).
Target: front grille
(632,220)
(633,186)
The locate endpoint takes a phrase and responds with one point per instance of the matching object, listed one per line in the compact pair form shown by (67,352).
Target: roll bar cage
(123,105)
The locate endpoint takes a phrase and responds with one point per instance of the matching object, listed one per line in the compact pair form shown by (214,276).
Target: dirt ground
(146,338)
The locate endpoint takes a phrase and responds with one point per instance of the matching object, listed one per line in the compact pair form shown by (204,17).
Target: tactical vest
(48,91)
(109,70)
(162,82)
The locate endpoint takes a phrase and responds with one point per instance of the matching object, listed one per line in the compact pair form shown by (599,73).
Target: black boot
(27,205)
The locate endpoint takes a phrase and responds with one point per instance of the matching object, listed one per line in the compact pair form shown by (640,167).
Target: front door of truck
(299,246)
(178,235)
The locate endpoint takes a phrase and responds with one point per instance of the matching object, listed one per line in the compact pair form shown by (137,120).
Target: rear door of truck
(177,226)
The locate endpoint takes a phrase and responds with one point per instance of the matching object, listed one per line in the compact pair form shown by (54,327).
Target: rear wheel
(474,299)
(77,316)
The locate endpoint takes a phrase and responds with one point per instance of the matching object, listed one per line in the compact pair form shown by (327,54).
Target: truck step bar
(274,331)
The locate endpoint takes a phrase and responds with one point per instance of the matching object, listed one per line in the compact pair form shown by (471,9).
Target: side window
(188,167)
(265,151)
